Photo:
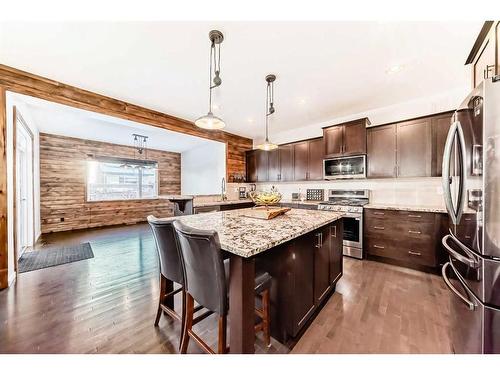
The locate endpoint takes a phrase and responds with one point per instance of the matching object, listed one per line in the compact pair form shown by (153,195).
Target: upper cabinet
(346,139)
(381,151)
(412,148)
(257,166)
(301,161)
(485,54)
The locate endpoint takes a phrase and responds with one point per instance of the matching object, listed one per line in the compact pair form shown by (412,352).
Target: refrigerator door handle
(470,305)
(472,263)
(463,172)
(446,172)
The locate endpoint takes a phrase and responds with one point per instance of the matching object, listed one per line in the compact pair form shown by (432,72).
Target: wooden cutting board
(265,213)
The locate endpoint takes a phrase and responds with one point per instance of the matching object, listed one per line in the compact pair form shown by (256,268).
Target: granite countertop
(246,236)
(174,197)
(312,203)
(406,207)
(221,203)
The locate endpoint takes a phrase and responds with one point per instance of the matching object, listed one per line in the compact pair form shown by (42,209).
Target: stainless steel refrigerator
(471,190)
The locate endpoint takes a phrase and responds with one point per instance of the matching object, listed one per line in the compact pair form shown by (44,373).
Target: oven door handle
(470,305)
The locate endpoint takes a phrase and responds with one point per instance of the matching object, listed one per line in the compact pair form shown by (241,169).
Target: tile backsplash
(401,191)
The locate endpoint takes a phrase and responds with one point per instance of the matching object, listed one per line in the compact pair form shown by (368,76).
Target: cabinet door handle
(414,253)
(379,247)
(414,232)
(380,228)
(335,232)
(416,216)
(318,245)
(379,213)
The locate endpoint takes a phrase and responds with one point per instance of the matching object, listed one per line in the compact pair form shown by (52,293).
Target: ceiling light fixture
(267,145)
(209,121)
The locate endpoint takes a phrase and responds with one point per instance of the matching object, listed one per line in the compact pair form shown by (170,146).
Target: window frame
(110,159)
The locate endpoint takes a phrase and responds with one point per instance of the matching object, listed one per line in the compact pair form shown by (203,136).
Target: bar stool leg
(188,325)
(183,316)
(222,346)
(162,294)
(265,316)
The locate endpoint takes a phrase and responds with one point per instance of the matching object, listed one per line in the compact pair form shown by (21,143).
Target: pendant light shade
(209,121)
(268,145)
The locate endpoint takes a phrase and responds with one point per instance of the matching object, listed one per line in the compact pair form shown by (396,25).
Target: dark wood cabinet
(286,162)
(381,151)
(440,126)
(300,161)
(273,163)
(333,137)
(346,139)
(322,264)
(355,137)
(414,148)
(251,166)
(301,277)
(485,53)
(336,231)
(315,162)
(412,238)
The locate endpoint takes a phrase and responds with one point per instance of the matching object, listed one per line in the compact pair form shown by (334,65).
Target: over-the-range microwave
(344,167)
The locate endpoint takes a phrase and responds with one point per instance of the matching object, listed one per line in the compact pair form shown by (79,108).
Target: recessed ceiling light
(394,69)
(302,101)
(250,120)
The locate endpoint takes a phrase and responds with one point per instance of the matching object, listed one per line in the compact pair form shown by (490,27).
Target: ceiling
(54,118)
(324,69)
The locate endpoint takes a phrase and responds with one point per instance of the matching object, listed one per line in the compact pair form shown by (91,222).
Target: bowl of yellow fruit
(266,198)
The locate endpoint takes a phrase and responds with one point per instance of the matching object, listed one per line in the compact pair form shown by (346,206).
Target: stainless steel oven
(350,203)
(344,167)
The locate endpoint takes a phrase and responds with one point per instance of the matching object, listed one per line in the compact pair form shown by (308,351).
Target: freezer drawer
(474,327)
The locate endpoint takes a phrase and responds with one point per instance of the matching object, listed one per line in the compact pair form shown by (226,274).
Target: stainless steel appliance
(351,203)
(344,167)
(242,192)
(471,189)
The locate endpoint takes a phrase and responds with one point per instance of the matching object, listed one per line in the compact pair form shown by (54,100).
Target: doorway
(24,186)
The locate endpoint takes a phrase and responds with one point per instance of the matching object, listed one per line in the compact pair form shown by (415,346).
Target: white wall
(202,169)
(445,101)
(13,100)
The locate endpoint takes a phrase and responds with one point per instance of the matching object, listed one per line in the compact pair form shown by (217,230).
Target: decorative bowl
(265,198)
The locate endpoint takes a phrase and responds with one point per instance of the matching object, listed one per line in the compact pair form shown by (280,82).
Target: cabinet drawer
(380,214)
(416,252)
(417,217)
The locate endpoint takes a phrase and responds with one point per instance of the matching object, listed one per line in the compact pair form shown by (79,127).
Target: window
(121,179)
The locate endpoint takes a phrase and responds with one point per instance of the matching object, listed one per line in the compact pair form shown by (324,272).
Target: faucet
(223,196)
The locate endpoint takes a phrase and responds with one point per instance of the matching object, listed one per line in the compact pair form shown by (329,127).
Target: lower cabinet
(405,236)
(305,271)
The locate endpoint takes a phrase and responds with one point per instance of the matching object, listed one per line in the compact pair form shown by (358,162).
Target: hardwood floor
(107,305)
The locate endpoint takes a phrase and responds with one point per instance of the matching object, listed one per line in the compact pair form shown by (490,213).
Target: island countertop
(247,237)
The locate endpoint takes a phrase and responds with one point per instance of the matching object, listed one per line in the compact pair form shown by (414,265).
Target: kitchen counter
(176,197)
(312,203)
(406,207)
(246,236)
(221,203)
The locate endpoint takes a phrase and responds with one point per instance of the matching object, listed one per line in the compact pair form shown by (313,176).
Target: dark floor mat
(35,260)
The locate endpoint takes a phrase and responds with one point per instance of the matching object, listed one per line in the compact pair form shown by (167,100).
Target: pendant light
(209,121)
(267,145)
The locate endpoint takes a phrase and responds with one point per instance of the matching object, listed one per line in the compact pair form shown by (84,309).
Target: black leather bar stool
(206,283)
(170,268)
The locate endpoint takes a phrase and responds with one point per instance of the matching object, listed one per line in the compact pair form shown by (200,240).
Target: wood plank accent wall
(21,82)
(63,203)
(3,193)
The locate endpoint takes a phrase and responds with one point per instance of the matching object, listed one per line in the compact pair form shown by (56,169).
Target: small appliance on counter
(295,197)
(242,192)
(315,195)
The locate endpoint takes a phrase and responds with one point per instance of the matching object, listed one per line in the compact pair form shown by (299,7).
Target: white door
(24,188)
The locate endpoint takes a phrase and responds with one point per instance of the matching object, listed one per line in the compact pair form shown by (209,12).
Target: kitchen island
(302,250)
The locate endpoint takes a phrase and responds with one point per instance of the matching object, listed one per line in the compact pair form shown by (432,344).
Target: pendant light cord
(212,47)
